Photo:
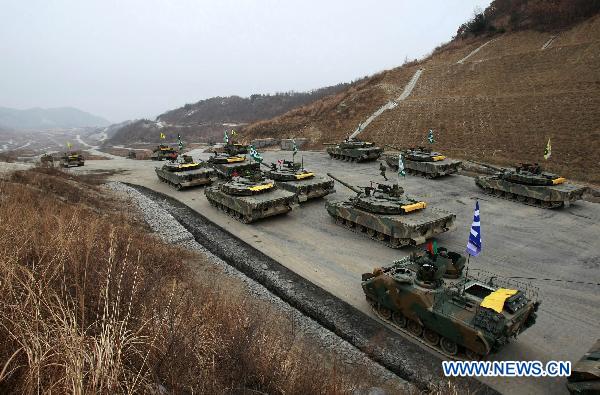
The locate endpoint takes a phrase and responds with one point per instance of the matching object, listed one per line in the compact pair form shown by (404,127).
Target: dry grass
(93,304)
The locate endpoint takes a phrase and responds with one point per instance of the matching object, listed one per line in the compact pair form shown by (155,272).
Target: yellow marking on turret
(304,175)
(415,206)
(558,180)
(261,187)
(73,156)
(234,159)
(496,299)
(166,149)
(438,157)
(186,165)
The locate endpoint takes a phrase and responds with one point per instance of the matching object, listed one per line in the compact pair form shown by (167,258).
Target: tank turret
(529,184)
(184,173)
(386,214)
(458,315)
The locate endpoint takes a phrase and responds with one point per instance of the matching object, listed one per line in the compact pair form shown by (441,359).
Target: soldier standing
(382,170)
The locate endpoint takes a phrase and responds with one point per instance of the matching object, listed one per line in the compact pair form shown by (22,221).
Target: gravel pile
(170,230)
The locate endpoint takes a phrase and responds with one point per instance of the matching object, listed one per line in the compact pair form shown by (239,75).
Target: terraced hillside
(498,97)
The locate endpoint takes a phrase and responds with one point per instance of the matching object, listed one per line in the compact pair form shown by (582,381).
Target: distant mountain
(48,118)
(206,119)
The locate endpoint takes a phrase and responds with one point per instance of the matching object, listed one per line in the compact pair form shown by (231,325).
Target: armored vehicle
(47,160)
(385,214)
(428,297)
(185,173)
(294,178)
(585,373)
(528,184)
(235,149)
(250,198)
(163,152)
(227,165)
(71,159)
(354,150)
(423,162)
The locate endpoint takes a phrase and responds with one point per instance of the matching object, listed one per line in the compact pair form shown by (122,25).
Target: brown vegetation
(91,303)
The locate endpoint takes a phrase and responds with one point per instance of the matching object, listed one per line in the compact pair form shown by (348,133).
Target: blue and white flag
(474,244)
(255,155)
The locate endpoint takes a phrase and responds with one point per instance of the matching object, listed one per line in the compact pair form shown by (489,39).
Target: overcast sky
(138,58)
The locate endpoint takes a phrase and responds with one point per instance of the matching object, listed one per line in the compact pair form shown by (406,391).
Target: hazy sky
(137,58)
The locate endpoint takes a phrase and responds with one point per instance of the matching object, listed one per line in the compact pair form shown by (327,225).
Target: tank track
(344,158)
(176,186)
(413,172)
(521,199)
(404,331)
(232,213)
(385,239)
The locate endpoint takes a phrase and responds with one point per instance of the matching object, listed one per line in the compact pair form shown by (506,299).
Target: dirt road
(518,241)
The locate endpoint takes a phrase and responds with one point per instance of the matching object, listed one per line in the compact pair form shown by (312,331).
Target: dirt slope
(501,104)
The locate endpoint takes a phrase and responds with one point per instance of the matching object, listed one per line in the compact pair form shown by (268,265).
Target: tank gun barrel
(494,168)
(354,189)
(393,147)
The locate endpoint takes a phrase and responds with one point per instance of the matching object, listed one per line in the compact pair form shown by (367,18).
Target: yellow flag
(69,145)
(162,136)
(233,133)
(547,150)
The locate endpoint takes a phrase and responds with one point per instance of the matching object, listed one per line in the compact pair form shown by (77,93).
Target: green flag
(430,136)
(179,142)
(294,148)
(226,138)
(401,171)
(255,155)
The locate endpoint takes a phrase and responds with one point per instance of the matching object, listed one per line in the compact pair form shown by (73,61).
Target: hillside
(48,118)
(206,119)
(493,96)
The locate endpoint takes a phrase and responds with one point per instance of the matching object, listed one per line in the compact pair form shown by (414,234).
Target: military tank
(354,150)
(585,373)
(429,297)
(423,162)
(235,149)
(250,198)
(227,165)
(386,214)
(294,178)
(47,160)
(185,173)
(528,184)
(163,152)
(72,159)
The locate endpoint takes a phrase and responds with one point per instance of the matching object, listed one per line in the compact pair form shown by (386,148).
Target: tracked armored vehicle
(423,162)
(227,165)
(185,173)
(47,160)
(72,159)
(585,373)
(354,150)
(428,297)
(250,198)
(163,152)
(294,178)
(235,149)
(530,185)
(385,214)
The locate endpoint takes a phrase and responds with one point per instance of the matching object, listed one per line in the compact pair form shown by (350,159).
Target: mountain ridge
(48,118)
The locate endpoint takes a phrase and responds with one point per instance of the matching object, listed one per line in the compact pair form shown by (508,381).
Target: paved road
(518,241)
